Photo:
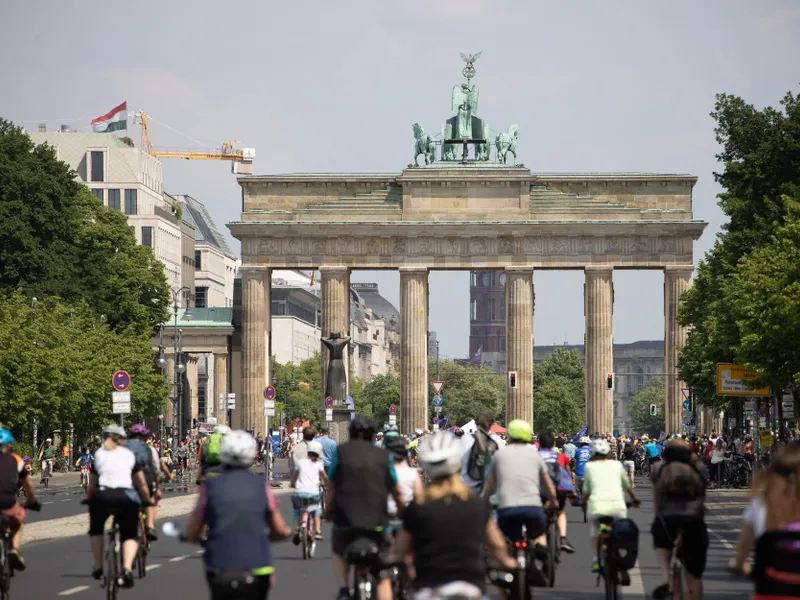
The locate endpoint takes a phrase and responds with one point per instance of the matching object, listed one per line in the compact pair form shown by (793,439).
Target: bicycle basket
(626,543)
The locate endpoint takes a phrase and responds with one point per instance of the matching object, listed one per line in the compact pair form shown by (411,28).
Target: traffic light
(609,381)
(652,410)
(512,379)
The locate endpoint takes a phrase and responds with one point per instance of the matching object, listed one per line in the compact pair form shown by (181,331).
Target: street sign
(436,427)
(121,403)
(121,381)
(686,405)
(732,380)
(437,386)
(269,404)
(328,402)
(437,409)
(329,414)
(749,406)
(269,412)
(231,401)
(269,392)
(393,410)
(392,419)
(685,392)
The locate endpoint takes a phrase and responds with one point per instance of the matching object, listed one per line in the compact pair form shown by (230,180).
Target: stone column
(413,349)
(256,323)
(334,283)
(221,386)
(677,280)
(598,348)
(519,342)
(192,378)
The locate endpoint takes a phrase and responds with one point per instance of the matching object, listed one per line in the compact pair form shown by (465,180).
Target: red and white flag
(113,120)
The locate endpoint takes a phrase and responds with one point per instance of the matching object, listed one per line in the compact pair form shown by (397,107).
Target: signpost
(392,415)
(121,398)
(732,380)
(329,414)
(121,381)
(329,404)
(269,393)
(437,386)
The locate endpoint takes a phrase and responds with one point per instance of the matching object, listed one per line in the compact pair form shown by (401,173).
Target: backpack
(479,455)
(211,449)
(144,459)
(561,479)
(680,481)
(626,543)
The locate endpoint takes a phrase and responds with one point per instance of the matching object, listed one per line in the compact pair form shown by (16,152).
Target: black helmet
(396,445)
(459,433)
(362,428)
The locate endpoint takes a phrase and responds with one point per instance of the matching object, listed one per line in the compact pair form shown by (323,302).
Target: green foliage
(468,390)
(761,158)
(126,140)
(558,396)
(56,363)
(639,407)
(378,394)
(56,239)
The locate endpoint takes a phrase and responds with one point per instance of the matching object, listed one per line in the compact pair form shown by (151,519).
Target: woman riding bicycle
(447,511)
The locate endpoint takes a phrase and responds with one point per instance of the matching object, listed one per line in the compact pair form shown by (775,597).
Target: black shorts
(114,502)
(344,536)
(695,540)
(151,480)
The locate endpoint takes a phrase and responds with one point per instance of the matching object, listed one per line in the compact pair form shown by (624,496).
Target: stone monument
(336,382)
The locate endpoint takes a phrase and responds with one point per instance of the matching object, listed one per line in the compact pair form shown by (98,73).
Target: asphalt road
(60,568)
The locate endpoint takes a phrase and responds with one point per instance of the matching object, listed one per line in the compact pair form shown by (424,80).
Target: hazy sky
(335,87)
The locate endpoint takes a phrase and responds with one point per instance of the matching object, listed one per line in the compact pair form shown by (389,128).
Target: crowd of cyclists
(432,506)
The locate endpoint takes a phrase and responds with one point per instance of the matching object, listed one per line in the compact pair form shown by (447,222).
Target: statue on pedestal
(424,145)
(465,128)
(336,382)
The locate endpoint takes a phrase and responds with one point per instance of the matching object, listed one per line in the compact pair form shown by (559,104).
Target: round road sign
(328,402)
(392,410)
(121,381)
(269,392)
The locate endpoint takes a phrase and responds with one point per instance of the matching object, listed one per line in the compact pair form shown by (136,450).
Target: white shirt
(308,475)
(467,443)
(114,468)
(406,477)
(756,515)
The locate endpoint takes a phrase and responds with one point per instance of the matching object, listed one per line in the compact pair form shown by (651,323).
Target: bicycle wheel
(609,575)
(141,560)
(679,591)
(552,551)
(5,571)
(111,573)
(304,540)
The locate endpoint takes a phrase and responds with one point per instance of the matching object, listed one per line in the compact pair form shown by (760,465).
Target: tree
(469,390)
(57,239)
(379,393)
(558,396)
(761,158)
(639,407)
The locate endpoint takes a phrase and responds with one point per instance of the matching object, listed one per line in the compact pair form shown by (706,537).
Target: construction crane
(241,158)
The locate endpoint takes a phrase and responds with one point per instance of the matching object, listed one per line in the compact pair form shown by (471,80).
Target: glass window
(98,193)
(473,278)
(200,297)
(96,161)
(113,200)
(473,309)
(490,310)
(502,310)
(198,262)
(130,202)
(147,237)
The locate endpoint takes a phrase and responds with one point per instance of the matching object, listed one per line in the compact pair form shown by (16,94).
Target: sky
(335,87)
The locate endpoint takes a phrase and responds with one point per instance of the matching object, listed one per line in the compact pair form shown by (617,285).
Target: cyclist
(12,474)
(47,457)
(679,492)
(211,451)
(149,466)
(112,480)
(478,450)
(447,511)
(300,449)
(307,477)
(519,477)
(235,506)
(604,487)
(582,456)
(653,452)
(549,454)
(360,477)
(84,460)
(407,476)
(182,455)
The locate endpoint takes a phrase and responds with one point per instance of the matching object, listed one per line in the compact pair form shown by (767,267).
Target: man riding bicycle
(210,452)
(47,457)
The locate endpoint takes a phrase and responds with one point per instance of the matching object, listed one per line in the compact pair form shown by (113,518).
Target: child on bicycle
(85,463)
(308,474)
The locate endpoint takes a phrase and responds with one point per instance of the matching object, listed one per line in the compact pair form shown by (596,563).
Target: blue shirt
(86,459)
(582,456)
(653,451)
(328,450)
(570,449)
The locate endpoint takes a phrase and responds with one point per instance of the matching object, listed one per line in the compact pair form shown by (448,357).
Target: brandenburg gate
(461,213)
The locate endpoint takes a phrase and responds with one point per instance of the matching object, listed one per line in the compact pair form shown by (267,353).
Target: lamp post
(180,366)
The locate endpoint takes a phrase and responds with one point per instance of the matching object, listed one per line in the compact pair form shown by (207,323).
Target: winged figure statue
(470,58)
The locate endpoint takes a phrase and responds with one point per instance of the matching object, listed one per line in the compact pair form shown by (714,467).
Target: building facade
(487,319)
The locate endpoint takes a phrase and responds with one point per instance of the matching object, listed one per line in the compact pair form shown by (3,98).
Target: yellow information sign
(732,380)
(766,437)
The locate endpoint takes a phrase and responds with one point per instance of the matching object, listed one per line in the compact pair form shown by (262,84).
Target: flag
(580,434)
(113,120)
(353,298)
(313,278)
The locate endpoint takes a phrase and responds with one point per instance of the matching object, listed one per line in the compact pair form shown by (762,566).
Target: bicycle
(84,477)
(6,571)
(305,534)
(605,557)
(363,554)
(140,562)
(679,585)
(48,467)
(322,498)
(553,547)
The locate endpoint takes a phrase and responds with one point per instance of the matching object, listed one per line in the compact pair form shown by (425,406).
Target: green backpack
(211,449)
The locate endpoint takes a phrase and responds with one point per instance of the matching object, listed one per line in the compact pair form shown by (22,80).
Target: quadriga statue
(424,145)
(507,142)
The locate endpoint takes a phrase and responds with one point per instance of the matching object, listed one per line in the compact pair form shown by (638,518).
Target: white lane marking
(725,542)
(74,590)
(151,567)
(43,503)
(200,552)
(179,558)
(637,585)
(67,500)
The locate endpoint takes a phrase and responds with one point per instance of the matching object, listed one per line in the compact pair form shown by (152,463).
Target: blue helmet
(5,437)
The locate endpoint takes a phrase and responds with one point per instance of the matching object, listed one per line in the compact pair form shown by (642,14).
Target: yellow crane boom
(226,152)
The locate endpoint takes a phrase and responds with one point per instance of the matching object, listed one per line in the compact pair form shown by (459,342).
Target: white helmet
(585,440)
(601,446)
(237,449)
(440,454)
(222,429)
(111,429)
(314,448)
